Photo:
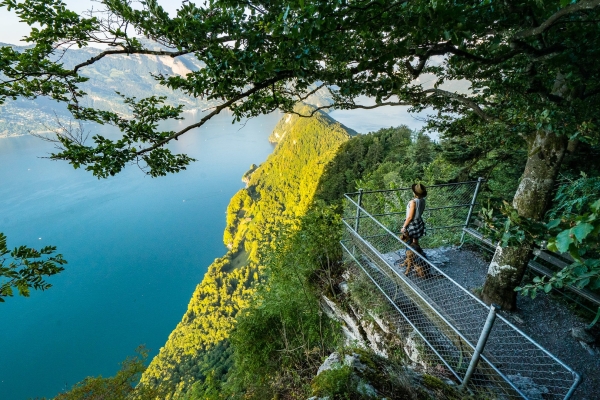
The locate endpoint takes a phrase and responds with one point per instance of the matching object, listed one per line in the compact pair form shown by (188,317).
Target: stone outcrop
(363,375)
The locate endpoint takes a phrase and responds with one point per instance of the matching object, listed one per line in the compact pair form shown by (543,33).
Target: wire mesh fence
(448,207)
(444,319)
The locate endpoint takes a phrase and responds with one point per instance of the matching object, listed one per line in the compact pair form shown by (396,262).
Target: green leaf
(553,224)
(582,230)
(583,283)
(548,287)
(563,241)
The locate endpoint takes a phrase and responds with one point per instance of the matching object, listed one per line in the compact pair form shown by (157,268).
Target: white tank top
(419,208)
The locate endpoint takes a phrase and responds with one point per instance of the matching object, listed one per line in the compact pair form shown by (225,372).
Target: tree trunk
(546,152)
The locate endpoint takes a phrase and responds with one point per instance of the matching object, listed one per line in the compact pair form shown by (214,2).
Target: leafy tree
(531,65)
(280,340)
(24,268)
(122,386)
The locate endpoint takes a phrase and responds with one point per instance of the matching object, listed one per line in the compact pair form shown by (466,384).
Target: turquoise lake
(136,246)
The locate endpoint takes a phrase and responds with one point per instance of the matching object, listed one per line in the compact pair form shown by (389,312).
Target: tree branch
(348,106)
(92,60)
(570,9)
(462,99)
(216,111)
(438,49)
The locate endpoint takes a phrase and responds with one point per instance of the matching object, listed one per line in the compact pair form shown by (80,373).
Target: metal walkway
(448,320)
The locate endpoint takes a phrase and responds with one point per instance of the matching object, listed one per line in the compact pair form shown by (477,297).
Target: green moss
(340,384)
(333,382)
(366,357)
(442,389)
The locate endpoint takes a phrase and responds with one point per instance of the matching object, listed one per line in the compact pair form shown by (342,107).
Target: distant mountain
(129,75)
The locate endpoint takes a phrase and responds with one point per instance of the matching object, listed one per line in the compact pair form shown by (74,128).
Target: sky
(12,31)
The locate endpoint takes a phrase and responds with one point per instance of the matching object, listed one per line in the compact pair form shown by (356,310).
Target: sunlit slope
(278,192)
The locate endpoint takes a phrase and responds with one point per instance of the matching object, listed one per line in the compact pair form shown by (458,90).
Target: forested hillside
(278,193)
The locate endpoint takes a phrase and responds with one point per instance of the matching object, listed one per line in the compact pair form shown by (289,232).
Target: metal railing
(449,209)
(455,330)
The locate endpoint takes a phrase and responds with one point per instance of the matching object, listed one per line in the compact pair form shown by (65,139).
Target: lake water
(136,246)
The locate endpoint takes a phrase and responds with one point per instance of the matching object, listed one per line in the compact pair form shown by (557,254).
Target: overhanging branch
(92,60)
(216,111)
(349,106)
(461,99)
(570,9)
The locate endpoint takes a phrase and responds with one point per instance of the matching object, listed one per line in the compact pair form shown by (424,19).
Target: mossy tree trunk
(545,154)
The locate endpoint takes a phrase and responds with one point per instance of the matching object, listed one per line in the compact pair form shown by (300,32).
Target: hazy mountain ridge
(127,74)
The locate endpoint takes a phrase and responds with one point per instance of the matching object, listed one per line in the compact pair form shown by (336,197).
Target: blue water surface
(136,248)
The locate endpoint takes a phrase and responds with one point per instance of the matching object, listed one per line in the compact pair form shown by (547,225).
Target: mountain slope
(129,75)
(279,191)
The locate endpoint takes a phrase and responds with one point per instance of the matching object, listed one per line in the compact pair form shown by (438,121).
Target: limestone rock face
(412,346)
(362,328)
(332,362)
(350,326)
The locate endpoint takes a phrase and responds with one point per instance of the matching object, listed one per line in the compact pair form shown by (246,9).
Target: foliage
(510,228)
(576,235)
(336,383)
(24,268)
(390,157)
(530,66)
(575,196)
(281,338)
(122,386)
(530,63)
(278,193)
(147,113)
(124,74)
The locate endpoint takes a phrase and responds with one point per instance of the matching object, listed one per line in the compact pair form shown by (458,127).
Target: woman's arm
(411,214)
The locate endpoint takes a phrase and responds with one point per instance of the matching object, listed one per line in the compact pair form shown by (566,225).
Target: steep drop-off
(277,193)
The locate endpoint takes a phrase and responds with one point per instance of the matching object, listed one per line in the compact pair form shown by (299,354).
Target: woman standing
(414,225)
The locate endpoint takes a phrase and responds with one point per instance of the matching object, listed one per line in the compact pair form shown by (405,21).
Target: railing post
(472,206)
(359,202)
(485,333)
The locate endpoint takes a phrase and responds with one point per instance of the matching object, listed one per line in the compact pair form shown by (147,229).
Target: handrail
(456,283)
(407,188)
(435,313)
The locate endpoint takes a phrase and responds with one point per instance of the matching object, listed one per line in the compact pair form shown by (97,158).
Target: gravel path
(545,319)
